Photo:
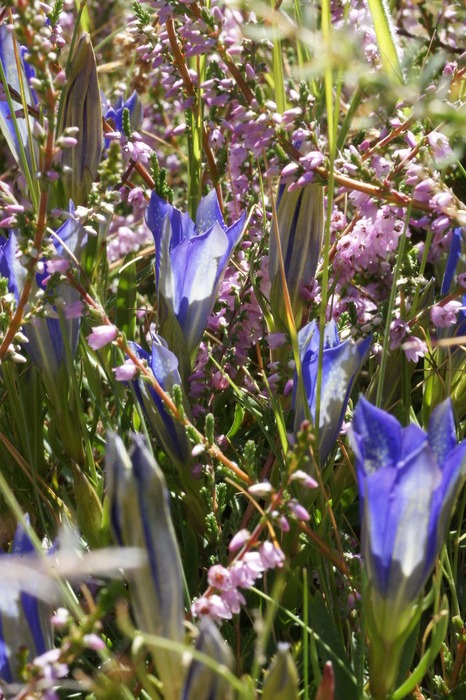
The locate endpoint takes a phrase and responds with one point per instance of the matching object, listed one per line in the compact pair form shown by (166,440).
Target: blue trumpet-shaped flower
(46,346)
(202,682)
(164,366)
(408,481)
(24,619)
(341,362)
(190,260)
(15,127)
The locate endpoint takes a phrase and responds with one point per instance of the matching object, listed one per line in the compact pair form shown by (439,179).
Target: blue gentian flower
(341,363)
(164,366)
(114,113)
(408,481)
(46,346)
(140,517)
(25,621)
(20,137)
(300,219)
(190,260)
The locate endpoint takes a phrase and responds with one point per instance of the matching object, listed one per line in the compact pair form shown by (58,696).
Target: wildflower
(190,261)
(82,109)
(14,127)
(408,480)
(101,336)
(239,540)
(164,366)
(444,315)
(114,113)
(204,682)
(140,517)
(341,362)
(454,256)
(48,335)
(300,222)
(24,619)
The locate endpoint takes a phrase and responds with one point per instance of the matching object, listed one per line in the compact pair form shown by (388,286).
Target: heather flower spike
(140,517)
(190,261)
(341,362)
(203,682)
(25,621)
(300,220)
(81,108)
(408,481)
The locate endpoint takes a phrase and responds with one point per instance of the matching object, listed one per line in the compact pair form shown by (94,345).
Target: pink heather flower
(245,571)
(312,160)
(271,555)
(398,331)
(57,265)
(462,280)
(101,335)
(239,540)
(94,642)
(298,510)
(61,618)
(414,348)
(304,479)
(74,309)
(234,599)
(441,149)
(211,606)
(125,372)
(261,489)
(444,315)
(219,577)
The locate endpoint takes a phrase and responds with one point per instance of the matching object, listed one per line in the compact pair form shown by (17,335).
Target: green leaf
(125,317)
(386,39)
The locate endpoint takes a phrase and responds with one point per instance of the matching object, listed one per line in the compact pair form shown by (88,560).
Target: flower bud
(140,517)
(81,107)
(281,681)
(203,682)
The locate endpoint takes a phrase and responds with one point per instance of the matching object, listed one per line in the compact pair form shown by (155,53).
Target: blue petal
(339,367)
(376,436)
(452,261)
(8,263)
(208,213)
(196,276)
(8,60)
(442,435)
(453,474)
(5,670)
(410,510)
(22,542)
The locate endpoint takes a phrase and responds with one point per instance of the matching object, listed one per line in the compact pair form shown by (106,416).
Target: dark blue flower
(452,260)
(190,261)
(341,362)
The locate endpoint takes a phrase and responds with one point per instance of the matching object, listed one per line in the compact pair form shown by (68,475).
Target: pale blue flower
(341,362)
(190,261)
